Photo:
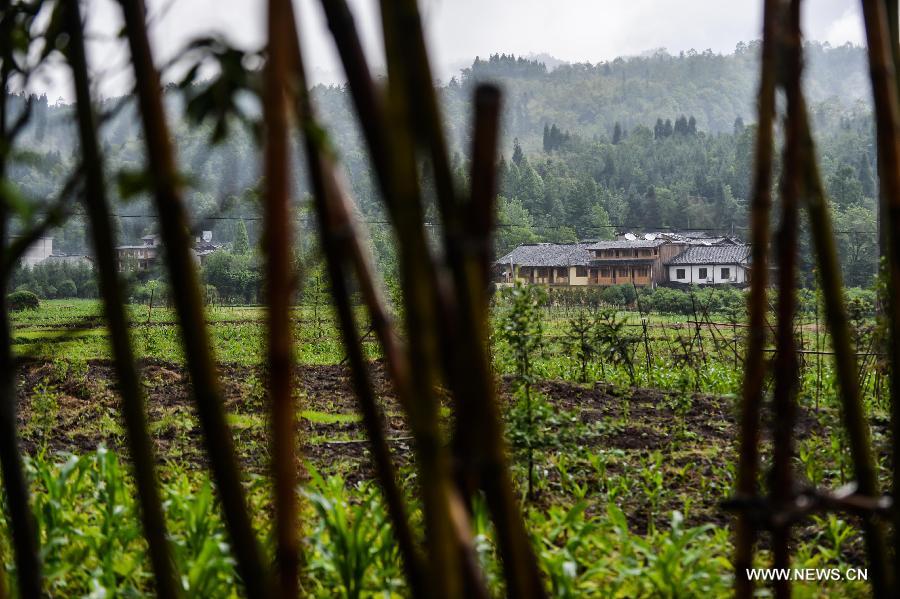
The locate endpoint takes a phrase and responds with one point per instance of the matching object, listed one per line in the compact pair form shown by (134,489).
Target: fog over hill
(650,140)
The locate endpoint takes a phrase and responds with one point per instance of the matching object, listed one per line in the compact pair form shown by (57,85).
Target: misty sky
(458,30)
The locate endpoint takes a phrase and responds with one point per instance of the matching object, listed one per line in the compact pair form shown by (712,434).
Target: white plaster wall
(713,274)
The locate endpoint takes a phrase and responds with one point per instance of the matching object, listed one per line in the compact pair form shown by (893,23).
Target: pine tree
(547,146)
(518,155)
(617,133)
(241,242)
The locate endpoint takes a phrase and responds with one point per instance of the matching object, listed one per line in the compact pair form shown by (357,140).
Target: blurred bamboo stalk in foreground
(802,187)
(133,409)
(784,397)
(343,247)
(25,542)
(755,364)
(278,87)
(175,234)
(880,19)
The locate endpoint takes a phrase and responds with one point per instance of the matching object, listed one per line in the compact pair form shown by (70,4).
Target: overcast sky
(459,30)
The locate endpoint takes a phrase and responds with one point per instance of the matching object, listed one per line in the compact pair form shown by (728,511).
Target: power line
(621,227)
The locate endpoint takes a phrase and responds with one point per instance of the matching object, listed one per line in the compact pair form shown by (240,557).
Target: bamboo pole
(189,305)
(784,399)
(279,288)
(342,244)
(423,317)
(755,363)
(140,444)
(881,25)
(26,547)
(830,275)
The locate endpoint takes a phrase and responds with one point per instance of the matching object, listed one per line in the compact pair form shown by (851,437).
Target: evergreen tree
(617,133)
(667,128)
(241,243)
(518,155)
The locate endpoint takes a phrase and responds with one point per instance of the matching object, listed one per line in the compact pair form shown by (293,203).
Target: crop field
(623,465)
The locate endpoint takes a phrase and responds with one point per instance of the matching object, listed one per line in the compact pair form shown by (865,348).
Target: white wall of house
(707,274)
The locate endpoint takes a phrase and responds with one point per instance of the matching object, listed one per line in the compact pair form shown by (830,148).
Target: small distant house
(632,261)
(638,262)
(711,265)
(546,264)
(143,256)
(138,257)
(648,261)
(204,246)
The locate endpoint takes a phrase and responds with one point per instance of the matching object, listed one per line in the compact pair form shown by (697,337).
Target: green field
(633,456)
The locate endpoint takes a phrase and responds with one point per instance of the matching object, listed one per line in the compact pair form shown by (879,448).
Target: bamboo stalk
(277,243)
(189,305)
(830,276)
(97,208)
(26,548)
(881,30)
(479,435)
(423,316)
(367,102)
(755,363)
(784,399)
(341,243)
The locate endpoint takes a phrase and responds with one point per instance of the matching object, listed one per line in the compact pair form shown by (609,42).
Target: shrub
(23,300)
(618,295)
(671,301)
(67,289)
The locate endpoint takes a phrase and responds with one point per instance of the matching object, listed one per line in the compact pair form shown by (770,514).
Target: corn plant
(523,332)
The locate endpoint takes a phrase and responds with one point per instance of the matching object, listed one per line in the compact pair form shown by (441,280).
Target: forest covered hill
(643,142)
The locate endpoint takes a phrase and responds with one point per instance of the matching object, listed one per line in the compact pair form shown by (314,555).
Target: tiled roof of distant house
(549,254)
(713,254)
(625,244)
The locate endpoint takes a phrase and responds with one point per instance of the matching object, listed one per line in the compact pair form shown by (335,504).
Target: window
(604,272)
(623,272)
(580,271)
(701,273)
(679,273)
(726,273)
(562,272)
(642,271)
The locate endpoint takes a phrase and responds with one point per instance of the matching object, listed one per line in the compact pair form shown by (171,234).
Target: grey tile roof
(713,254)
(548,254)
(625,244)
